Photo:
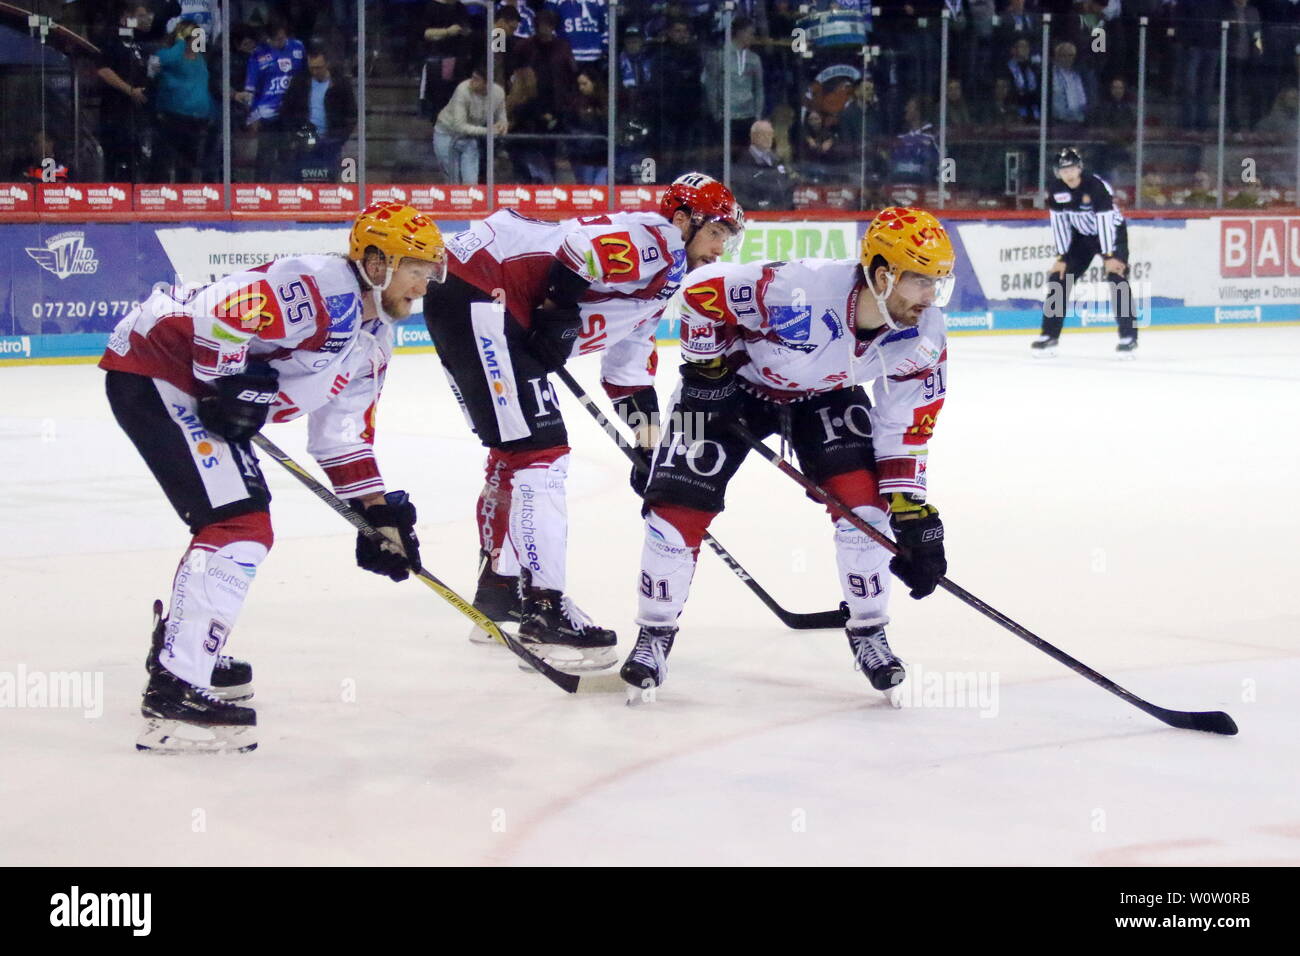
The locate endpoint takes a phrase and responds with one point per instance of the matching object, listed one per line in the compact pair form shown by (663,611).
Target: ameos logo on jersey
(66,255)
(206,452)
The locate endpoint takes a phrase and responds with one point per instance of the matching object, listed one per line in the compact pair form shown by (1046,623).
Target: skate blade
(1044,353)
(479,636)
(235,693)
(645,694)
(178,737)
(1125,356)
(572,660)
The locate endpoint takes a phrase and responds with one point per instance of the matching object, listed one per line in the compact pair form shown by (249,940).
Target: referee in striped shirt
(1086,223)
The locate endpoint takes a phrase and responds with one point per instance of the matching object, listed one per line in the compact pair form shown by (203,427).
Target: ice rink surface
(1140,515)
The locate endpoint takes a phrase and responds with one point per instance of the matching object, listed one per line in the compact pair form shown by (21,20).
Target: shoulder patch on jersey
(254,309)
(344,310)
(678,268)
(619,260)
(709,299)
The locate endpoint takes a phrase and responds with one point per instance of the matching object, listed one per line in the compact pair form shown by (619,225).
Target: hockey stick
(791,619)
(1211,721)
(572,683)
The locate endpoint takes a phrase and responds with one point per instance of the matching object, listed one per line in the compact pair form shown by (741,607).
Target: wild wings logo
(66,255)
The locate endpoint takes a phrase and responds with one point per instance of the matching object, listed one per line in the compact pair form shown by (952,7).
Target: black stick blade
(1210,721)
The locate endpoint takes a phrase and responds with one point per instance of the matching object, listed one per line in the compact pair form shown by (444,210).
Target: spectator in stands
(1281,37)
(634,75)
(1002,110)
(914,156)
(321,99)
(531,163)
(270,70)
(404,22)
(759,178)
(861,130)
(1116,111)
(583,24)
(676,70)
(739,72)
(526,13)
(1245,56)
(1280,121)
(1016,23)
(124,125)
(589,115)
(1199,59)
(506,60)
(463,123)
(184,106)
(1024,80)
(551,60)
(1069,95)
(41,164)
(959,117)
(1117,117)
(449,44)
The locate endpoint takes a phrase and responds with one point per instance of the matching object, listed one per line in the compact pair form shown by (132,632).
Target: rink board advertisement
(67,285)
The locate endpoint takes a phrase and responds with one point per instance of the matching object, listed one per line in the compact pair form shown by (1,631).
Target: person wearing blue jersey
(584,24)
(271,69)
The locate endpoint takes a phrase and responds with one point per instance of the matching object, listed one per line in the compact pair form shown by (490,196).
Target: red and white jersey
(309,318)
(633,261)
(789,330)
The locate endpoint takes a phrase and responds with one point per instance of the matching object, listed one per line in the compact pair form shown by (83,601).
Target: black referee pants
(1083,249)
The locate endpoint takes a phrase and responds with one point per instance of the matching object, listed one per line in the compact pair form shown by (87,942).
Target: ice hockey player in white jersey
(193,375)
(523,296)
(782,347)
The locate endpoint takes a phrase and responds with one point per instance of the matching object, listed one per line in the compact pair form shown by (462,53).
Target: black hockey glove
(920,539)
(394,519)
(553,335)
(709,390)
(640,412)
(239,408)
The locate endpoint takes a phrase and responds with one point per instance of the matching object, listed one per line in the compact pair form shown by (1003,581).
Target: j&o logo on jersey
(66,255)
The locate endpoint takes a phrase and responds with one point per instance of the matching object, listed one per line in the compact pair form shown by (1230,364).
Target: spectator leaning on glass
(463,122)
(322,100)
(184,105)
(1086,223)
(271,69)
(123,126)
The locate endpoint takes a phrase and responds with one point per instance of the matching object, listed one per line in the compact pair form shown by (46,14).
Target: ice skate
(183,718)
(872,656)
(647,666)
(1126,346)
(497,596)
(1045,346)
(232,679)
(556,630)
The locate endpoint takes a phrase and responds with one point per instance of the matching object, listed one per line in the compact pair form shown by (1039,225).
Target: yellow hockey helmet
(398,232)
(912,240)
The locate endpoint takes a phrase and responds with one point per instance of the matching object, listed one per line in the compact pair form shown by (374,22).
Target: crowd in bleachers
(806,106)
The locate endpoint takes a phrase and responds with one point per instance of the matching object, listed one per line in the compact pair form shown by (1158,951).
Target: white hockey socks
(667,566)
(864,568)
(539,524)
(207,595)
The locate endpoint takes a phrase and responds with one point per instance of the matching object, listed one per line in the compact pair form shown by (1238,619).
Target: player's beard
(397,307)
